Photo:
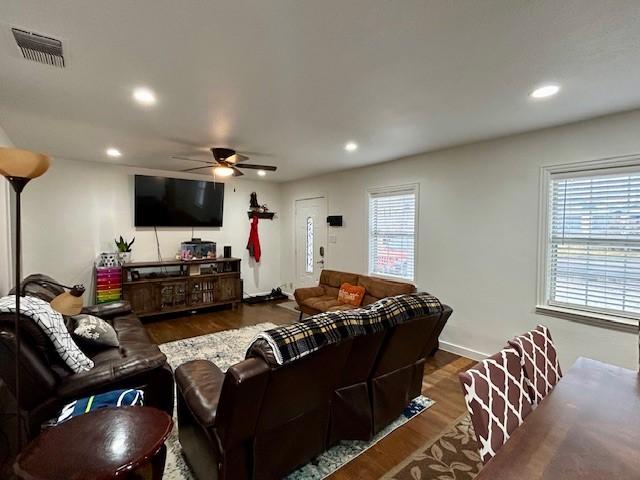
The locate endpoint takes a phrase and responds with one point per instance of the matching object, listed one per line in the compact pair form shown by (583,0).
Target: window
(592,237)
(309,266)
(392,232)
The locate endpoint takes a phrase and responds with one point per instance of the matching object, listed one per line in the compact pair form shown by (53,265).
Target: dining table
(587,428)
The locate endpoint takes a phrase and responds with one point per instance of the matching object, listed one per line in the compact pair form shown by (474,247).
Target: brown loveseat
(47,384)
(260,420)
(324,297)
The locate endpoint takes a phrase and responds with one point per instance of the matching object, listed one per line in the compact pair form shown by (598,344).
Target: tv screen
(173,202)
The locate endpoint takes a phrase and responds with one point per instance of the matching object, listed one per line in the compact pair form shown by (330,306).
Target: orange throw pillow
(350,294)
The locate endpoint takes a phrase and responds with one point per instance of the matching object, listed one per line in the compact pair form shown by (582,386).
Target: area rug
(452,456)
(229,347)
(223,348)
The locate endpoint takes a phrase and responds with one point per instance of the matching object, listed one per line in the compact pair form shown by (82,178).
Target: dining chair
(497,399)
(539,360)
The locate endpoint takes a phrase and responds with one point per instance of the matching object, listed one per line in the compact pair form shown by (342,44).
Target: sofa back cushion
(333,278)
(377,288)
(406,343)
(287,343)
(292,426)
(331,291)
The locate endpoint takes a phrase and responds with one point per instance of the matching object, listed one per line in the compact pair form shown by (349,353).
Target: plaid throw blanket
(290,342)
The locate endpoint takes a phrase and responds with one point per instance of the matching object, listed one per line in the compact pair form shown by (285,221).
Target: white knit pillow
(52,324)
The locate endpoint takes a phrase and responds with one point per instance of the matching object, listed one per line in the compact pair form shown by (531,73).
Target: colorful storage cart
(108,284)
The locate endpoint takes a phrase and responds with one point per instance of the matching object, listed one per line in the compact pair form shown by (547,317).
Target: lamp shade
(18,163)
(67,304)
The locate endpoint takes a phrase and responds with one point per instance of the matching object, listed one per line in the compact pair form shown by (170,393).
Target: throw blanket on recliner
(290,342)
(52,324)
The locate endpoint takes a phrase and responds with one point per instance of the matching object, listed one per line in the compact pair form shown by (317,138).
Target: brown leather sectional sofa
(261,421)
(324,297)
(47,384)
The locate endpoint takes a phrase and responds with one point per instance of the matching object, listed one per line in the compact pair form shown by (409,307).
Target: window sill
(393,278)
(613,322)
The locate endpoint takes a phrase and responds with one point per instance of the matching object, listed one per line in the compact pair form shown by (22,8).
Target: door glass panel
(309,267)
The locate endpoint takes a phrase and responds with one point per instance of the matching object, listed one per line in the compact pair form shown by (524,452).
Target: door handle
(320,262)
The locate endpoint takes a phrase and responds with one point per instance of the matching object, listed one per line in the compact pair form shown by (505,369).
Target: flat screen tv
(173,202)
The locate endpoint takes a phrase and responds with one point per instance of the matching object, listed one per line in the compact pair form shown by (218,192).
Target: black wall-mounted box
(334,220)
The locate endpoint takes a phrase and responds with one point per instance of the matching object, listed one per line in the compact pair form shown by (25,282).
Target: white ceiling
(296,79)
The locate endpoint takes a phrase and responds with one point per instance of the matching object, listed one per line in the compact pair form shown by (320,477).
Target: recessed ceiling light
(351,147)
(545,91)
(114,152)
(144,96)
(262,173)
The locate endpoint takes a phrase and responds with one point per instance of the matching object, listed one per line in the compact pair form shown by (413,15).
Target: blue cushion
(115,398)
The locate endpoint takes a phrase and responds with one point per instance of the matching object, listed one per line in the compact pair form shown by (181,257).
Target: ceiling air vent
(39,48)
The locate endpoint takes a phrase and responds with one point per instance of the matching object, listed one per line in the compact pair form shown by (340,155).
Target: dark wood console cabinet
(154,288)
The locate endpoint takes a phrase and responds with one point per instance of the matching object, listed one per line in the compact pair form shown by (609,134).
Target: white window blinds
(392,232)
(594,241)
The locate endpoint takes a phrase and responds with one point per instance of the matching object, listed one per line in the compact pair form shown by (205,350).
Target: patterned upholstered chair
(496,395)
(540,362)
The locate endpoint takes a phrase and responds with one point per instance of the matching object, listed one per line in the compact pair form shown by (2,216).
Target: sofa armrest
(109,309)
(301,294)
(200,383)
(113,373)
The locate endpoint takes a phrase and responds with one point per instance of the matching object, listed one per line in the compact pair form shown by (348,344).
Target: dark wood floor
(440,383)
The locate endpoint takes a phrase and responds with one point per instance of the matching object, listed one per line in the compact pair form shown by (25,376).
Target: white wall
(478,231)
(74,211)
(5,230)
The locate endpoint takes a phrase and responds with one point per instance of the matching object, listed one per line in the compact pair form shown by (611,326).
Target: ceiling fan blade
(220,153)
(253,166)
(196,168)
(236,158)
(236,172)
(178,157)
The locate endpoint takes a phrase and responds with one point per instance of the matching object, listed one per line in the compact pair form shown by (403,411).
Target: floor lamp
(19,167)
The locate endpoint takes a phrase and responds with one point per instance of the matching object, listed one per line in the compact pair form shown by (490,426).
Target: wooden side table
(110,443)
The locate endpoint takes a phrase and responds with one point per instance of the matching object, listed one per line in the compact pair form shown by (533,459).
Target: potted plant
(124,249)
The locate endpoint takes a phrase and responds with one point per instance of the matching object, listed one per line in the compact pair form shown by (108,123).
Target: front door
(311,239)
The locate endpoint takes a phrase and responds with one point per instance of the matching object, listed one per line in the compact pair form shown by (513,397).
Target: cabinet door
(173,295)
(227,289)
(142,298)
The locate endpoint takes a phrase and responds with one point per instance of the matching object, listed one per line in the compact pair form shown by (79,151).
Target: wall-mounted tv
(174,202)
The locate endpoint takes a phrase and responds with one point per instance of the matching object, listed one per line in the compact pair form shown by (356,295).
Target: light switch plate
(333,239)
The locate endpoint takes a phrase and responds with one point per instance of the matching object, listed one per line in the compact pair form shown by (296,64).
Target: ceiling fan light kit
(226,163)
(222,171)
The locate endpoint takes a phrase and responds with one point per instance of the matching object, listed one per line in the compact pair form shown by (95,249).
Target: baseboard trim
(463,351)
(255,294)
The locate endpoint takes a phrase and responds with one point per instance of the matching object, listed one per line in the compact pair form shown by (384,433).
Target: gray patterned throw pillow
(94,332)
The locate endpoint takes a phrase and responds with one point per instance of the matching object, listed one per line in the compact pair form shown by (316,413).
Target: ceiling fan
(226,162)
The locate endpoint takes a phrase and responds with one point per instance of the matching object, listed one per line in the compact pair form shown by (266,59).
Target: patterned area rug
(452,456)
(229,347)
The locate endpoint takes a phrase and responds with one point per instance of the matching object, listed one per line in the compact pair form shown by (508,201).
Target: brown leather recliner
(261,420)
(47,384)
